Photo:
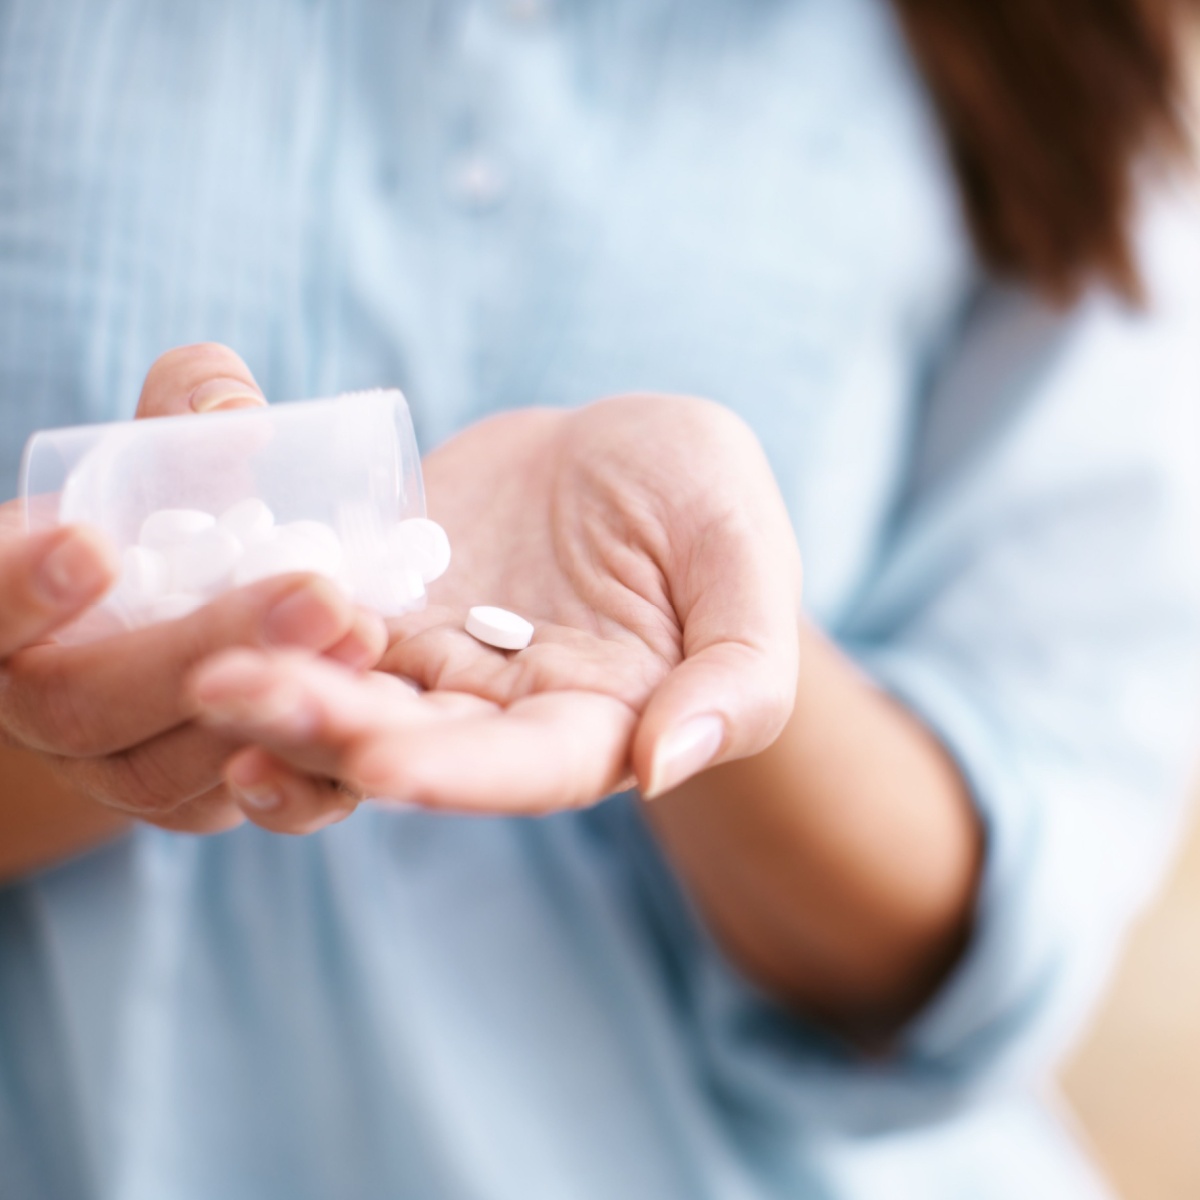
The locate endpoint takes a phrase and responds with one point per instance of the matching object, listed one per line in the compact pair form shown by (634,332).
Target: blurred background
(1134,1083)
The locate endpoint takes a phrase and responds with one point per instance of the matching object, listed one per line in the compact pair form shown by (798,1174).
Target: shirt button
(527,10)
(478,183)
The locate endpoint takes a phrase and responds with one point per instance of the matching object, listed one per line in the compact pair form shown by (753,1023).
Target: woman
(895,833)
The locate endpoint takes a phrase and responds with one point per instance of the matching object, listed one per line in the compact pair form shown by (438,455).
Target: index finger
(542,753)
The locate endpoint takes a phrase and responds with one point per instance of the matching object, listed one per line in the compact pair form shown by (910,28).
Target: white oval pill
(204,563)
(498,627)
(249,520)
(168,526)
(424,545)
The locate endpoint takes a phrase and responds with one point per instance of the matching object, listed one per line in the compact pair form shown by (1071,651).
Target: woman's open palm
(646,540)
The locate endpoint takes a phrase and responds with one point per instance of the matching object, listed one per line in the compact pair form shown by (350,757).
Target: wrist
(838,868)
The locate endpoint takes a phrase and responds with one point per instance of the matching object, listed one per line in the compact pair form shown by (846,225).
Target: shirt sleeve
(1037,604)
(1038,607)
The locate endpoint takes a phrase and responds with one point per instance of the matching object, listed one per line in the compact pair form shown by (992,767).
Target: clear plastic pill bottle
(196,505)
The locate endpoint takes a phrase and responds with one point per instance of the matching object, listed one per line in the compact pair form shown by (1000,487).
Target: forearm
(838,868)
(41,821)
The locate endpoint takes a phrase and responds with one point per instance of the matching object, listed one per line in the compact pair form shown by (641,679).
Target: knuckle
(143,780)
(93,778)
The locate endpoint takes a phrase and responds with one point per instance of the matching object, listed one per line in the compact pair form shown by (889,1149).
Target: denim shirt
(495,203)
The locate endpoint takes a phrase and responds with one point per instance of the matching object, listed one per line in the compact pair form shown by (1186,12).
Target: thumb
(735,689)
(197,379)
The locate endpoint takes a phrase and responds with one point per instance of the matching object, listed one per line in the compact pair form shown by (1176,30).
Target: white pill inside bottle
(170,526)
(249,520)
(392,591)
(498,627)
(204,563)
(144,578)
(424,546)
(321,543)
(249,472)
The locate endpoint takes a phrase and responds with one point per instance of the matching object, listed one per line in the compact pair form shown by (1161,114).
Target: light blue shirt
(494,203)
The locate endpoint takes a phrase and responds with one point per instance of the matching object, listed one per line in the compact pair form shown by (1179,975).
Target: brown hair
(1048,106)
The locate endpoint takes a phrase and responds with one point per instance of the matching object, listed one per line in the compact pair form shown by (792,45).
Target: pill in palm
(498,627)
(203,563)
(169,526)
(249,520)
(424,546)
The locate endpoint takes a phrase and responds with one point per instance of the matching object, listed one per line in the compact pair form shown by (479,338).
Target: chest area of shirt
(488,205)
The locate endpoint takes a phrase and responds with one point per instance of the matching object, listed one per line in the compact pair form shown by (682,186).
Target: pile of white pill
(185,557)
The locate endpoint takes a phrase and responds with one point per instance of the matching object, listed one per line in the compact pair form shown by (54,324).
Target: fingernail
(250,788)
(262,799)
(225,393)
(74,571)
(683,752)
(312,616)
